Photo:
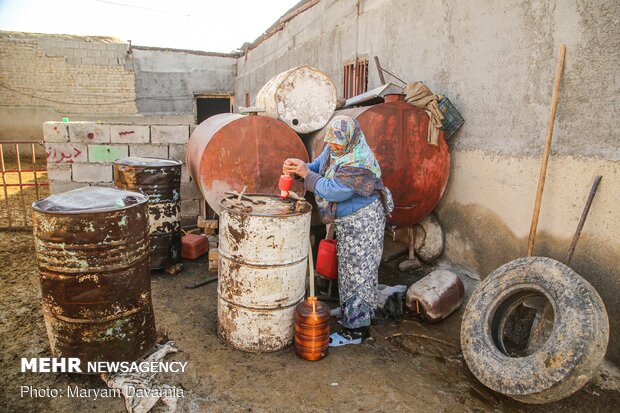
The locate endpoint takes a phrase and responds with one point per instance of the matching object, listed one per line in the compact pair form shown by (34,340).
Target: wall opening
(207,106)
(355,80)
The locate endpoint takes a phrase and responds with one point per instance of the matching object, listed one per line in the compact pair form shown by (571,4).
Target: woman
(346,181)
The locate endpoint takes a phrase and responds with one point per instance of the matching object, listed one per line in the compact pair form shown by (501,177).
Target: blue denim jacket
(347,200)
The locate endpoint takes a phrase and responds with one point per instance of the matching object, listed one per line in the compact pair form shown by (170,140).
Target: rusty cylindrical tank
(262,266)
(302,97)
(160,181)
(92,250)
(229,151)
(415,171)
(435,296)
(312,329)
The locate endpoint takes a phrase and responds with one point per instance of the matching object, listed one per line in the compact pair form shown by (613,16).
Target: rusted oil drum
(415,171)
(160,181)
(302,97)
(262,269)
(92,250)
(229,151)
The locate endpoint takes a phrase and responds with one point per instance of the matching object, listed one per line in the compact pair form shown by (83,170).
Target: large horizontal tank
(302,97)
(230,151)
(414,170)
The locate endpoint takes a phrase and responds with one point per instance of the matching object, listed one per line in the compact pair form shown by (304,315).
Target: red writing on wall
(66,155)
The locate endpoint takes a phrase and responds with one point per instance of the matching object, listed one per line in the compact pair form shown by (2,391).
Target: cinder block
(190,208)
(59,172)
(60,186)
(185,177)
(55,132)
(192,128)
(130,134)
(92,172)
(57,153)
(107,153)
(189,191)
(89,132)
(177,152)
(169,133)
(149,151)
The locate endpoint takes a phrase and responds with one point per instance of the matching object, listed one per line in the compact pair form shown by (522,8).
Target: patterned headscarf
(345,131)
(355,166)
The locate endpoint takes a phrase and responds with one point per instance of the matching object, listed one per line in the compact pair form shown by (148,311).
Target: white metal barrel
(303,97)
(262,272)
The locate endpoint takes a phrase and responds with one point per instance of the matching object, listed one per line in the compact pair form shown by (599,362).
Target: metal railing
(20,185)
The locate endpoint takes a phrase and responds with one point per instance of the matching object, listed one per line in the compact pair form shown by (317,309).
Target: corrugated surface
(160,180)
(263,263)
(415,171)
(303,97)
(229,151)
(92,250)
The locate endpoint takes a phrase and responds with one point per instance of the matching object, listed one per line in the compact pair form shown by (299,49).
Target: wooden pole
(545,158)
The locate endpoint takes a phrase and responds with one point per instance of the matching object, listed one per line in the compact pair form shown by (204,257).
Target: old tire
(559,366)
(429,239)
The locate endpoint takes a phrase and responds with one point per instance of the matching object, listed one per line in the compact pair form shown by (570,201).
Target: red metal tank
(229,151)
(415,171)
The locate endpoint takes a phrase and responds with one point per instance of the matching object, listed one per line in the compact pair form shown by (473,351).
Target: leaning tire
(557,367)
(429,239)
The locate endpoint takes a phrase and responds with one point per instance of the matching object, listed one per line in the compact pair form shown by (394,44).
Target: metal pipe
(21,189)
(582,220)
(4,185)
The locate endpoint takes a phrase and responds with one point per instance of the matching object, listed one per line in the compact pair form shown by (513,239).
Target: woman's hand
(295,166)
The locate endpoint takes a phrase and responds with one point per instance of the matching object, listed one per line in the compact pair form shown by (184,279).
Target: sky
(209,25)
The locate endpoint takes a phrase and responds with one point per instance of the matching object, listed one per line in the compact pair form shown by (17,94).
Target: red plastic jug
(327,260)
(285,183)
(194,246)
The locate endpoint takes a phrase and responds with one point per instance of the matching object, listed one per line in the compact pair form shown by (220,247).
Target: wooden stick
(411,246)
(545,159)
(582,220)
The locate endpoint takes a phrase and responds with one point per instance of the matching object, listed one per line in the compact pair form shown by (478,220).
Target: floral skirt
(360,246)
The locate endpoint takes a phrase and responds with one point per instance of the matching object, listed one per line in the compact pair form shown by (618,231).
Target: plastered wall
(496,62)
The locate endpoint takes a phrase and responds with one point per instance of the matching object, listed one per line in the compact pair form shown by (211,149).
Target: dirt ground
(407,367)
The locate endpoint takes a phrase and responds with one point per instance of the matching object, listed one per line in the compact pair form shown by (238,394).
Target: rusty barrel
(414,170)
(92,250)
(230,151)
(302,97)
(160,181)
(262,268)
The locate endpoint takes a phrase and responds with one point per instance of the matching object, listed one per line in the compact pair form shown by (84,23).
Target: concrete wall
(66,73)
(166,80)
(496,62)
(82,154)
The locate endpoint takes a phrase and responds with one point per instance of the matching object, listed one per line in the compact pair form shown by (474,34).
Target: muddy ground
(407,367)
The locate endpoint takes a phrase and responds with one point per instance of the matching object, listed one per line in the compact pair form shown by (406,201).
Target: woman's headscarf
(355,166)
(345,131)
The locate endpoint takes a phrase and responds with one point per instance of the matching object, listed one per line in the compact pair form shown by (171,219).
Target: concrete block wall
(82,153)
(86,74)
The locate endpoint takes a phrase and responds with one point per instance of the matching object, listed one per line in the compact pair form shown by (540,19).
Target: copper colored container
(415,171)
(230,151)
(311,329)
(92,250)
(160,180)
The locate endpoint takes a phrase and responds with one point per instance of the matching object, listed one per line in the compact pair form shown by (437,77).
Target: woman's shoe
(346,337)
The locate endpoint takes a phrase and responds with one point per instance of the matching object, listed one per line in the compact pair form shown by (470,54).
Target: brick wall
(82,153)
(68,73)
